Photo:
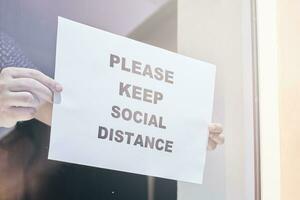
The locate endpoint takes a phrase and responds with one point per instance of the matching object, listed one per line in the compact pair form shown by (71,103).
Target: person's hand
(22,92)
(216,136)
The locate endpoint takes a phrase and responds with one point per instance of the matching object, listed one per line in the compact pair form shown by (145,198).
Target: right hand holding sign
(216,136)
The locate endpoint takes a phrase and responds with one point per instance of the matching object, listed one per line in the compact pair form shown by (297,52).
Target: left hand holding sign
(23,92)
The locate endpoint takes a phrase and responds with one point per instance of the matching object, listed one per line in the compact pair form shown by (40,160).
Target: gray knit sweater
(11,55)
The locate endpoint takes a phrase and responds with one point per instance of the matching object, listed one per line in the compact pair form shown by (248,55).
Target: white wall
(269,98)
(159,29)
(289,94)
(219,32)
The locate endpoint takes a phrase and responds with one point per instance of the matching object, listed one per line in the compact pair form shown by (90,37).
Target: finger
(219,139)
(215,128)
(22,99)
(38,76)
(21,113)
(211,145)
(30,85)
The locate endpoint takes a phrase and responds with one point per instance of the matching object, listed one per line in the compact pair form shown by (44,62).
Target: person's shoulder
(11,54)
(6,42)
(3,37)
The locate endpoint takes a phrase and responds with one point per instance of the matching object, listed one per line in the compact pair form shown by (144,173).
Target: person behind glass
(26,94)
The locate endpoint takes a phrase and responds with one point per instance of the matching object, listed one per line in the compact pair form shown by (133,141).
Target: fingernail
(58,87)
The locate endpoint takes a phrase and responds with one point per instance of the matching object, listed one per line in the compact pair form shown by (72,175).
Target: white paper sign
(129,106)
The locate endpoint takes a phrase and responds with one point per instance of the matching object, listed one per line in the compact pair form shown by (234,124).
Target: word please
(130,138)
(139,68)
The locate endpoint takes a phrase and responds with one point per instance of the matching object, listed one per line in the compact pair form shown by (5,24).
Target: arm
(5,131)
(24,93)
(44,113)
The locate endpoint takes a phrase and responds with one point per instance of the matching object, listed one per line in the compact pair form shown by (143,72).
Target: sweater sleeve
(5,131)
(11,54)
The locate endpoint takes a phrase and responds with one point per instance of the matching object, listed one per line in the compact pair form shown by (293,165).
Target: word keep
(139,93)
